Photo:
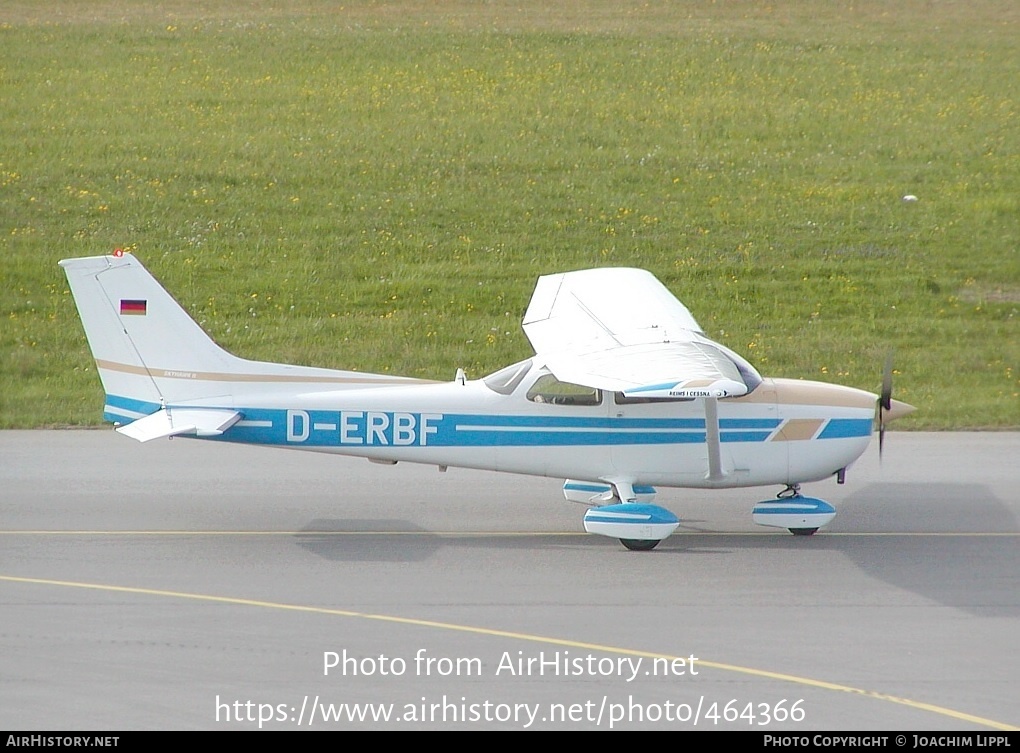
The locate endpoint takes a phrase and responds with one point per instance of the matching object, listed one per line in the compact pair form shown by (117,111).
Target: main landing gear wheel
(640,545)
(802,531)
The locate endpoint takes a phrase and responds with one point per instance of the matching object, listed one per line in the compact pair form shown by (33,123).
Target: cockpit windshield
(505,380)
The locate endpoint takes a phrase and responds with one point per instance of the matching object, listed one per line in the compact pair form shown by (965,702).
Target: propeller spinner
(887,409)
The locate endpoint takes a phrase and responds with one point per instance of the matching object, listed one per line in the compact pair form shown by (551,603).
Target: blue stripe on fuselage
(130,404)
(319,428)
(332,428)
(842,428)
(124,410)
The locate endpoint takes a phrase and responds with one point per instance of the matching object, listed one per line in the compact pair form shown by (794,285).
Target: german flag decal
(132,307)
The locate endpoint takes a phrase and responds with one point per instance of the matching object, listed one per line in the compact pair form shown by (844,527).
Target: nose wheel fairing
(801,515)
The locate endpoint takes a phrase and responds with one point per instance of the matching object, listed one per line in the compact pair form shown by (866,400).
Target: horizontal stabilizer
(171,422)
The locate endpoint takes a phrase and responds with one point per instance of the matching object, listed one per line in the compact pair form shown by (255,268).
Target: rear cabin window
(549,389)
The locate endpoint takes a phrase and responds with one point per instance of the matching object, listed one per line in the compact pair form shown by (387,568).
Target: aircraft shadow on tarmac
(371,540)
(938,541)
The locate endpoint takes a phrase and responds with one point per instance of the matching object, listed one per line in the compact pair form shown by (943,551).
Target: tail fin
(150,354)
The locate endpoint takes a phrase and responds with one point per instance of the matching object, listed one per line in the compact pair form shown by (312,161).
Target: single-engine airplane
(624,393)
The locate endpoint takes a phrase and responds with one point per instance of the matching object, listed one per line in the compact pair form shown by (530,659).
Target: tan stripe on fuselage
(802,392)
(213,376)
(798,429)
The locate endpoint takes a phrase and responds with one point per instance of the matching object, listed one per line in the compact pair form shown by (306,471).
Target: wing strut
(715,469)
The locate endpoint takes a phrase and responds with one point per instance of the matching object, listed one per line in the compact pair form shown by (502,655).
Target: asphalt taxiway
(198,585)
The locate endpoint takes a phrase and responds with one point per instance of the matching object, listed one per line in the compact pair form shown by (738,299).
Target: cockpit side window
(549,389)
(505,380)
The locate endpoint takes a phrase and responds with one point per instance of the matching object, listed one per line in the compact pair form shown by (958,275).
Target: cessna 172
(624,393)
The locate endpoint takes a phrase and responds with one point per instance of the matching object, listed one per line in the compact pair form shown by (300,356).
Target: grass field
(376,185)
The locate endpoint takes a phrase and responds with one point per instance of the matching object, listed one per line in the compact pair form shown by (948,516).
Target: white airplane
(624,393)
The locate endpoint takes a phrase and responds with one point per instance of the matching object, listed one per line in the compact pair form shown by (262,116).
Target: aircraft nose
(898,409)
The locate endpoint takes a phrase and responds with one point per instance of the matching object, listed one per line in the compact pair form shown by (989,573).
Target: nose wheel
(640,545)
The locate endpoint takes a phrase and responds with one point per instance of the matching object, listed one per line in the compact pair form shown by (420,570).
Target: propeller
(884,402)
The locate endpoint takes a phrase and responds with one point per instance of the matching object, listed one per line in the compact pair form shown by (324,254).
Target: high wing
(622,330)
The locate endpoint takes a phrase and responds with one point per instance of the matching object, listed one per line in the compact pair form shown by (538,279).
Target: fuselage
(784,432)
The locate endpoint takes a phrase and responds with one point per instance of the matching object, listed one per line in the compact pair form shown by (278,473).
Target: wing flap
(171,422)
